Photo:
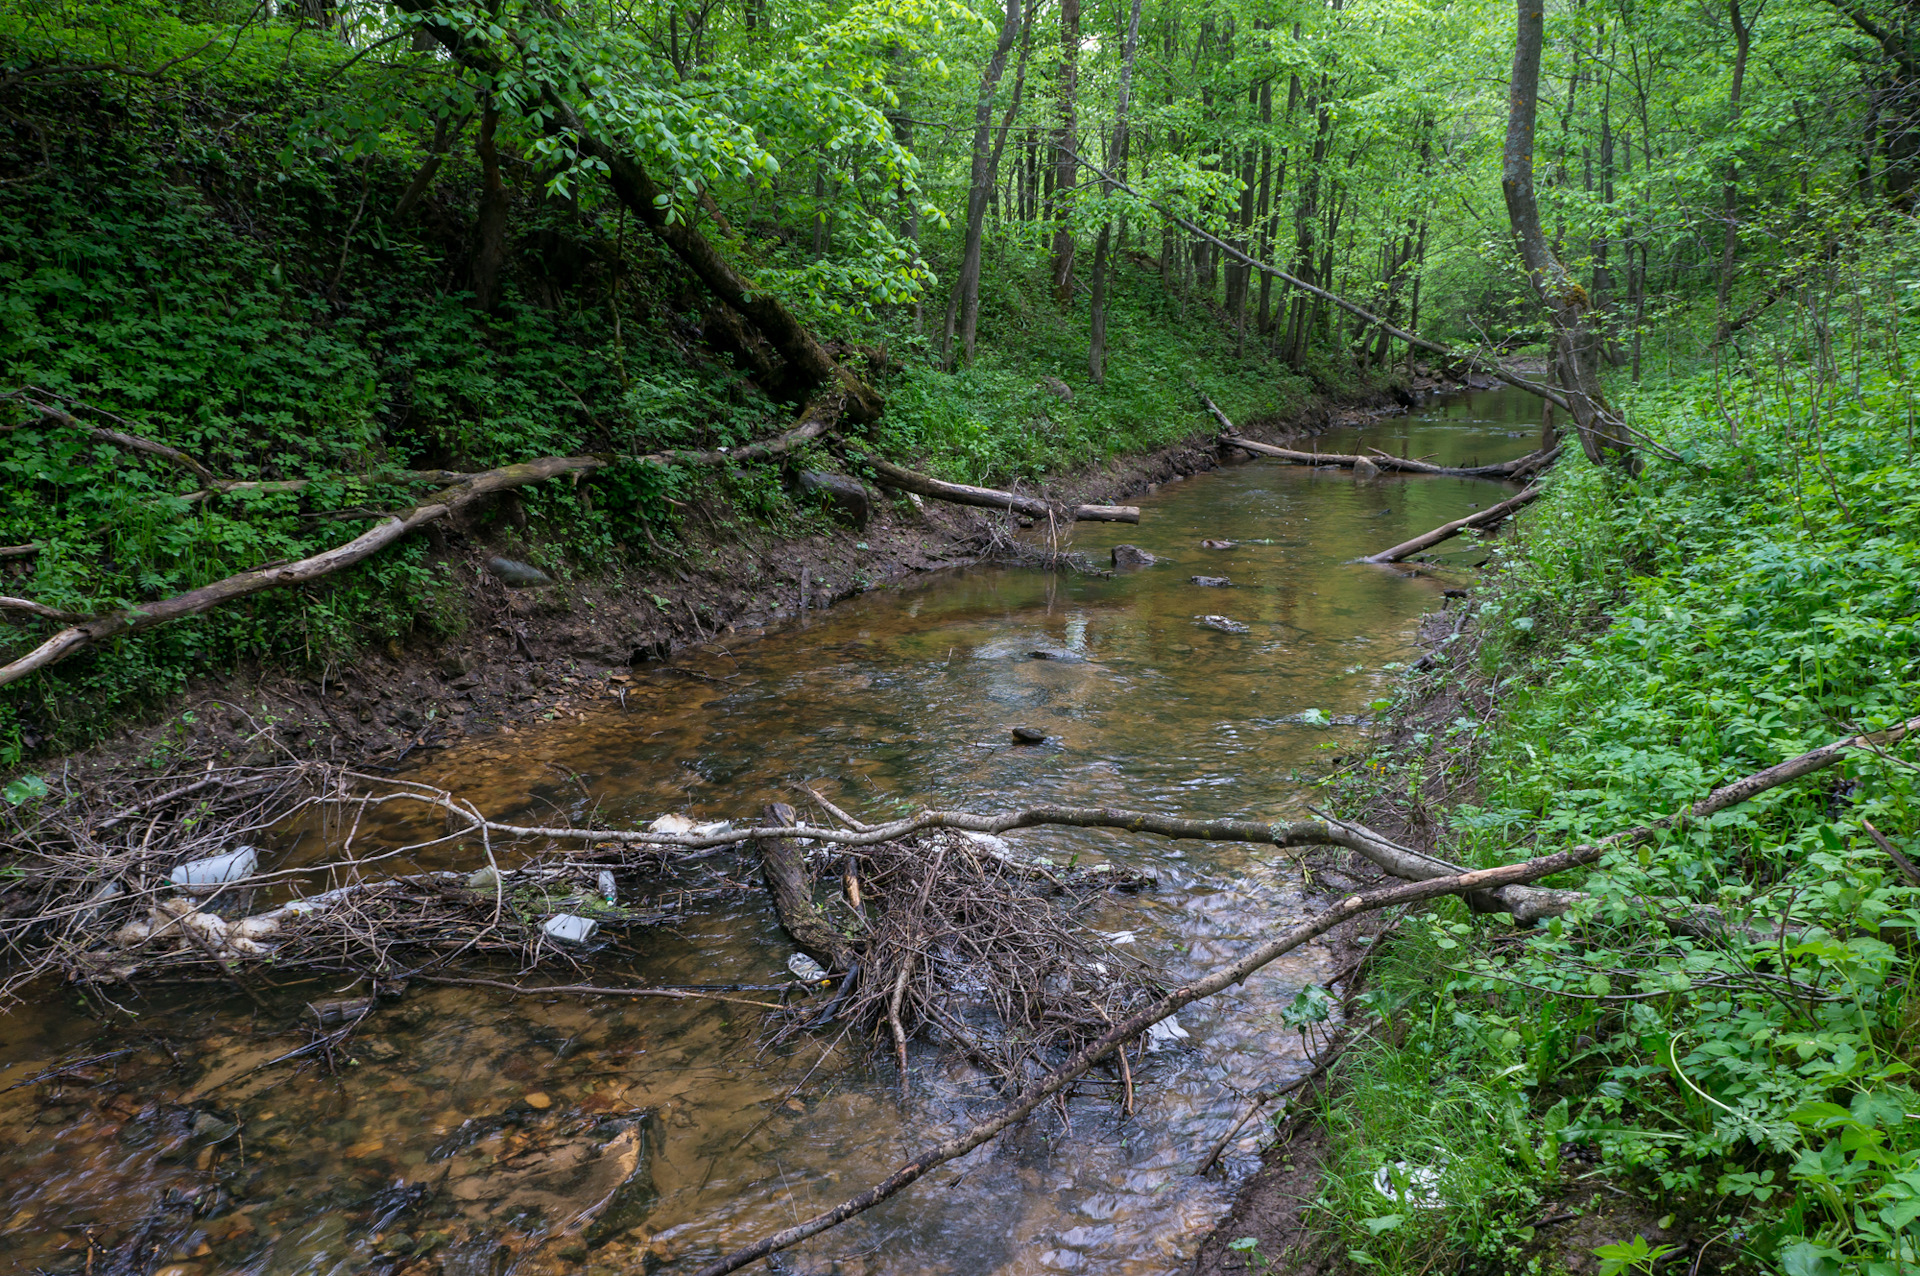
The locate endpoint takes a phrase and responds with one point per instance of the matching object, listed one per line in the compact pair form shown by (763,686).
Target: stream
(461,1130)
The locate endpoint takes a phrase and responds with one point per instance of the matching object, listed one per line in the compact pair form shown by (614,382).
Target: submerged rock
(1132,556)
(1224,624)
(1213,582)
(1028,735)
(1217,544)
(1363,468)
(1049,653)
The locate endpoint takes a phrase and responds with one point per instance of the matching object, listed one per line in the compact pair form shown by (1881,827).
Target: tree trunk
(1730,194)
(1066,139)
(1575,349)
(490,229)
(966,289)
(1097,343)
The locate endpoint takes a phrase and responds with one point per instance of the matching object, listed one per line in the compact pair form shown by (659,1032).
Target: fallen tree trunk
(1380,460)
(1447,531)
(86,632)
(56,416)
(785,865)
(390,529)
(890,475)
(1487,881)
(1387,461)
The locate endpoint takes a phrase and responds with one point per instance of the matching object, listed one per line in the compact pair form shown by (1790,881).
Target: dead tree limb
(1488,880)
(1447,531)
(50,414)
(390,529)
(1527,464)
(85,632)
(785,866)
(1387,461)
(890,475)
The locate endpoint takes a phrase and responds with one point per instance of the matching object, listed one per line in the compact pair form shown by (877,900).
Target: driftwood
(1447,531)
(1387,461)
(785,865)
(390,528)
(1488,881)
(890,475)
(1515,468)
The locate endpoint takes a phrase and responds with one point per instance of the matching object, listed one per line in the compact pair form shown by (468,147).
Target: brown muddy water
(463,1131)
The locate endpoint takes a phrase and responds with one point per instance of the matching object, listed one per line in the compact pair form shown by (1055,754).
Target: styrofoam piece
(806,969)
(1166,1031)
(671,824)
(569,929)
(1423,1184)
(217,870)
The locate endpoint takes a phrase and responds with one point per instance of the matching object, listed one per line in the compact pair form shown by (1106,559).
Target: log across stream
(589,1135)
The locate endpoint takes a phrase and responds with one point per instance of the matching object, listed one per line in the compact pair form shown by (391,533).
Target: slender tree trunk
(1576,352)
(490,229)
(1730,194)
(1097,343)
(966,290)
(1066,139)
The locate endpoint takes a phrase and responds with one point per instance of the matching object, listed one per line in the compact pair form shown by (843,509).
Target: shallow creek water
(517,1115)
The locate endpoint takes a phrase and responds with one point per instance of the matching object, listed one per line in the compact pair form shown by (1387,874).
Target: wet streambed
(462,1131)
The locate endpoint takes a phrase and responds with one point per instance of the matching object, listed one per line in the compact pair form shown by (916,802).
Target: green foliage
(1694,625)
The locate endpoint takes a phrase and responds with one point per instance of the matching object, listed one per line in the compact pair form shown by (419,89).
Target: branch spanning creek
(495,1012)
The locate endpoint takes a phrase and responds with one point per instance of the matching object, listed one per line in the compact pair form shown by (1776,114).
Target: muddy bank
(530,656)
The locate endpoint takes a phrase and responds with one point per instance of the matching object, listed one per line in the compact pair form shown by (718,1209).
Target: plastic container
(235,866)
(569,929)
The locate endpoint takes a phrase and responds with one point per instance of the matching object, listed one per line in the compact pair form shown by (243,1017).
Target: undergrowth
(1648,639)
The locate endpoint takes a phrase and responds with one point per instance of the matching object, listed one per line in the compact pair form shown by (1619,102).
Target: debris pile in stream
(986,948)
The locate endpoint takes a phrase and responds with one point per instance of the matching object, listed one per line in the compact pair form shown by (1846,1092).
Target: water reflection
(642,1136)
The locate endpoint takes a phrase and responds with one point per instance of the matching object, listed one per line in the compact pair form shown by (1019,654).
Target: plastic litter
(218,870)
(1423,1184)
(806,969)
(1165,1032)
(605,882)
(569,929)
(671,824)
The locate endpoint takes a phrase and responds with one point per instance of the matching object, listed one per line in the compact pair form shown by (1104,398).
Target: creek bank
(520,656)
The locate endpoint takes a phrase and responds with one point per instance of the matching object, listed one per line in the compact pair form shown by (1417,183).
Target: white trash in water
(1117,937)
(1167,1030)
(806,969)
(1423,1184)
(717,829)
(998,845)
(671,824)
(605,882)
(236,865)
(569,929)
